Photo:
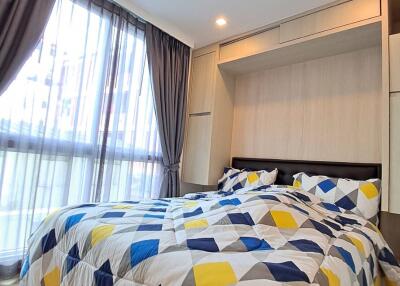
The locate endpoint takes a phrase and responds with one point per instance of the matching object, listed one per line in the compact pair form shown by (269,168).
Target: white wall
(160,23)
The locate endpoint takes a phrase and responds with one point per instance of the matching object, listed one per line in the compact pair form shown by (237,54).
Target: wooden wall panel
(324,109)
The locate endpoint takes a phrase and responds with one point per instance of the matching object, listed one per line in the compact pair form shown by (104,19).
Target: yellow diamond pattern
(101,232)
(283,219)
(252,177)
(297,184)
(332,277)
(122,207)
(52,278)
(197,223)
(214,274)
(369,190)
(358,244)
(190,204)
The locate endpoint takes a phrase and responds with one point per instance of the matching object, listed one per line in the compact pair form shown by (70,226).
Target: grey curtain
(22,22)
(168,61)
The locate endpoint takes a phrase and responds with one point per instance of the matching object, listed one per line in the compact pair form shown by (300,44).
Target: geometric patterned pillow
(360,197)
(228,173)
(234,179)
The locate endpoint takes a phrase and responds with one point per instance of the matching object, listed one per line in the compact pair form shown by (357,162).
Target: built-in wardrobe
(323,85)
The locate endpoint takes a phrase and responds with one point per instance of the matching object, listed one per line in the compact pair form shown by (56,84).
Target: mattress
(266,236)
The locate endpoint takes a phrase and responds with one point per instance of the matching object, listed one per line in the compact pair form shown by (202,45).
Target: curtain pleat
(78,123)
(169,68)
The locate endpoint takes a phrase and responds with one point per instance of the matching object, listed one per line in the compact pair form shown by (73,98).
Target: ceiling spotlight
(220,22)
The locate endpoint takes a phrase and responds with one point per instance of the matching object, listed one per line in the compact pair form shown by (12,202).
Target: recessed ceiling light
(220,22)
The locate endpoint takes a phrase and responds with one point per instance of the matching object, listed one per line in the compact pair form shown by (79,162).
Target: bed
(269,235)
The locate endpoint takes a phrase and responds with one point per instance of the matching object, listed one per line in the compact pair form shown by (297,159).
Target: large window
(78,123)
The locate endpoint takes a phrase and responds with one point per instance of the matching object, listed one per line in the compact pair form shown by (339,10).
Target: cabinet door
(196,160)
(202,84)
(250,45)
(330,18)
(394,204)
(394,41)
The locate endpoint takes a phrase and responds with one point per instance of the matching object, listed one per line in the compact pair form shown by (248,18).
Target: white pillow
(360,197)
(234,179)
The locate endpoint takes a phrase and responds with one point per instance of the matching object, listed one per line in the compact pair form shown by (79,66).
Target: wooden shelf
(344,39)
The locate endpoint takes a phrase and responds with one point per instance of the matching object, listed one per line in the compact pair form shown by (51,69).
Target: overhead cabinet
(256,43)
(338,29)
(329,18)
(202,84)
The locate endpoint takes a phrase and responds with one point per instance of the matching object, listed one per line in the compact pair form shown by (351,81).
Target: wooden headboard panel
(287,168)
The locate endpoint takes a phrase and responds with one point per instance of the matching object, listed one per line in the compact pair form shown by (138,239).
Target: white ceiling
(196,18)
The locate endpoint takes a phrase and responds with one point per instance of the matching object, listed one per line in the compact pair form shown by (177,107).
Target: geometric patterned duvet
(268,236)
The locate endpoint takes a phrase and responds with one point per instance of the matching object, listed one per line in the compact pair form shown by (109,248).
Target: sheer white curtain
(78,123)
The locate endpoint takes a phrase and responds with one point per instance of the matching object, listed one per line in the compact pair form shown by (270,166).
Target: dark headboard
(287,168)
